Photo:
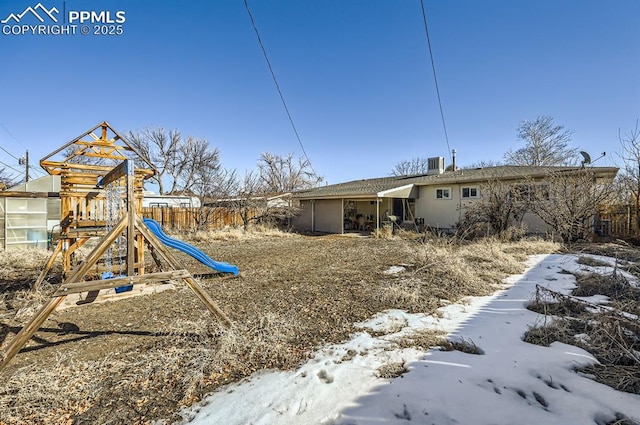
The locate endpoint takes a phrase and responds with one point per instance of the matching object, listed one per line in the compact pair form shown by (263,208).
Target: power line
(36,171)
(9,166)
(435,78)
(9,153)
(12,136)
(275,80)
(31,167)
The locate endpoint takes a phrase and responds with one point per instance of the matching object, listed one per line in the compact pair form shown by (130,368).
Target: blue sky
(356,76)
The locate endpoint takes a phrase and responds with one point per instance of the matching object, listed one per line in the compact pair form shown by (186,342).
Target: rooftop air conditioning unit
(435,165)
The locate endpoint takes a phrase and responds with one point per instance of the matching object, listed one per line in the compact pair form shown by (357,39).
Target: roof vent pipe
(453,160)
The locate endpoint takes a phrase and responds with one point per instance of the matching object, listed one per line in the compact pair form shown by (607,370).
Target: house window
(443,193)
(521,192)
(526,192)
(469,192)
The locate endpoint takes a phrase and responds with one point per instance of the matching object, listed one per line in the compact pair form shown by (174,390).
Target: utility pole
(25,161)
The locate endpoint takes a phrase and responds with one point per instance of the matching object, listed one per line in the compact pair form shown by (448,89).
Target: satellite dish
(587,158)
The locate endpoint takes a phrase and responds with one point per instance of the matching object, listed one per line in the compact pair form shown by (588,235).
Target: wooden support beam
(131,229)
(97,252)
(139,250)
(162,251)
(27,332)
(47,266)
(96,285)
(78,243)
(18,194)
(86,232)
(125,168)
(108,144)
(207,301)
(90,223)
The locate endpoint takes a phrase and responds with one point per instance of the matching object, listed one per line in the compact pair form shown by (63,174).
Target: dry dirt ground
(141,359)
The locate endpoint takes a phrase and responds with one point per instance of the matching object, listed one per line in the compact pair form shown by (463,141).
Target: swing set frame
(83,204)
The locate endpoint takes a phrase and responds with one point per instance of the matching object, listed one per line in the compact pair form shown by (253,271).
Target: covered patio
(394,205)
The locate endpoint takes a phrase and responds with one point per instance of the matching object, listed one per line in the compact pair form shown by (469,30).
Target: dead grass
(461,344)
(201,357)
(19,268)
(611,334)
(562,308)
(139,359)
(627,256)
(255,231)
(22,263)
(622,378)
(614,286)
(423,339)
(443,269)
(391,370)
(590,261)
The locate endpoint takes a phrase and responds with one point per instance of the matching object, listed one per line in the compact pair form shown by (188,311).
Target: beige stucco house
(437,200)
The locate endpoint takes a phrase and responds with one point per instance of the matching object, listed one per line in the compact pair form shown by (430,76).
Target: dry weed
(413,294)
(422,339)
(614,286)
(201,356)
(621,378)
(254,231)
(26,262)
(590,261)
(444,269)
(461,344)
(19,269)
(139,359)
(612,336)
(564,330)
(391,370)
(560,308)
(531,246)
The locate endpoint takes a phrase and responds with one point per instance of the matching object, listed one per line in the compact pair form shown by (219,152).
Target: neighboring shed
(27,219)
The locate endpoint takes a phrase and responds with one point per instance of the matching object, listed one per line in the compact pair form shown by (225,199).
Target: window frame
(470,196)
(442,189)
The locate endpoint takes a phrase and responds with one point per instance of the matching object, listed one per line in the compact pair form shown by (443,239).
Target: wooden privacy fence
(185,218)
(618,221)
(617,224)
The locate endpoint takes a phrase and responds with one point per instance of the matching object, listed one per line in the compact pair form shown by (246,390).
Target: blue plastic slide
(191,250)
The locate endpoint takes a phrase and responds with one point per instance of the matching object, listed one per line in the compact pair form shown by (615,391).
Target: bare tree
(545,144)
(162,149)
(180,161)
(197,161)
(411,167)
(249,200)
(285,174)
(568,201)
(5,179)
(209,181)
(629,179)
(482,164)
(500,207)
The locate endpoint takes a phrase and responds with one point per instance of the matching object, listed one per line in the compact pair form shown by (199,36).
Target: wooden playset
(101,198)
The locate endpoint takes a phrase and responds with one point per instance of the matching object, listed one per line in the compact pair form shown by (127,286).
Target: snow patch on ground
(394,270)
(512,382)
